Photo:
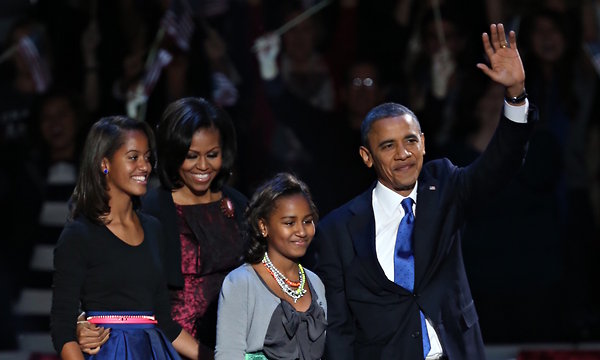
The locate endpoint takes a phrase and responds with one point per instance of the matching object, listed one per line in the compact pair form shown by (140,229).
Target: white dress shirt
(388,213)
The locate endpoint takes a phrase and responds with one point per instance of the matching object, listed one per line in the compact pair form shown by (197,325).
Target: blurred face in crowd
(202,162)
(396,150)
(18,58)
(58,124)
(489,108)
(362,91)
(299,42)
(452,38)
(547,40)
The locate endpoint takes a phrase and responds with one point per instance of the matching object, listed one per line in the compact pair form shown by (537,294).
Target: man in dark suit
(374,315)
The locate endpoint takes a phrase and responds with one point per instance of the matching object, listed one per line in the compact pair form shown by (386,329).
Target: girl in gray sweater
(271,307)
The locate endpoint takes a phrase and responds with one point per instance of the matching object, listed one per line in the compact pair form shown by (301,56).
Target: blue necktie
(404,261)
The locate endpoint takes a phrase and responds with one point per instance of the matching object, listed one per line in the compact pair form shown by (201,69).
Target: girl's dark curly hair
(261,206)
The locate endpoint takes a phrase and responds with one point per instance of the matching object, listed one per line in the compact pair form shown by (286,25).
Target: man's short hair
(385,110)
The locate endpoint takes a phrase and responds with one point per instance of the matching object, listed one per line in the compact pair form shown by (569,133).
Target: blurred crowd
(297,96)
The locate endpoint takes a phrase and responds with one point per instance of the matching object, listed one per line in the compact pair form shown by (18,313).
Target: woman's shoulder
(78,232)
(236,196)
(242,276)
(153,199)
(147,218)
(241,273)
(312,276)
(239,200)
(150,224)
(79,225)
(315,281)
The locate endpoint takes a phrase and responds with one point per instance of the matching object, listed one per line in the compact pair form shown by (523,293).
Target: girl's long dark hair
(90,197)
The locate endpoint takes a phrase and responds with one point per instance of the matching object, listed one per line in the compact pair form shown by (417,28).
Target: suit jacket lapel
(361,228)
(424,246)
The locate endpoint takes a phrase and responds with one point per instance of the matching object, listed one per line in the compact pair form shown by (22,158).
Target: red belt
(122,319)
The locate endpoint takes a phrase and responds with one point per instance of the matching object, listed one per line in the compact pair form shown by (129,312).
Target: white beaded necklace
(283,282)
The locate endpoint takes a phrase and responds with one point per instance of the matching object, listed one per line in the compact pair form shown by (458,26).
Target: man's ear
(365,154)
(423,141)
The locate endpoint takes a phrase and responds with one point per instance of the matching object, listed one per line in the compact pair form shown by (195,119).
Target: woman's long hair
(90,197)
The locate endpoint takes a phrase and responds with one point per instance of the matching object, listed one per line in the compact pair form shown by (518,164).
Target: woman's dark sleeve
(163,311)
(161,299)
(69,275)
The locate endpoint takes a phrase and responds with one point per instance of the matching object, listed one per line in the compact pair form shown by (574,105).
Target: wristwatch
(517,99)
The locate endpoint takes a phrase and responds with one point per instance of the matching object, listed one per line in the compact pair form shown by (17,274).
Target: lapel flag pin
(432,187)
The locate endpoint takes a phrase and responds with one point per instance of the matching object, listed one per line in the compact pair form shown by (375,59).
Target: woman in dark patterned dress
(196,146)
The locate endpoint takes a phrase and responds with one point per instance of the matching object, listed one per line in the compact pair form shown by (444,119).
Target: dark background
(531,253)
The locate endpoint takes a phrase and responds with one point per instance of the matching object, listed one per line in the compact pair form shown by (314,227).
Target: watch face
(518,99)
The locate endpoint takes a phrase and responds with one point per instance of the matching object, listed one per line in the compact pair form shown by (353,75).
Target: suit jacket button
(416,334)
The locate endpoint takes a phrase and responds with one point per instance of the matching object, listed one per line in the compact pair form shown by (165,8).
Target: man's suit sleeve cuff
(517,114)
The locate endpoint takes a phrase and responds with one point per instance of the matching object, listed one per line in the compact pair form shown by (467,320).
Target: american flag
(592,50)
(178,23)
(224,92)
(37,65)
(163,58)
